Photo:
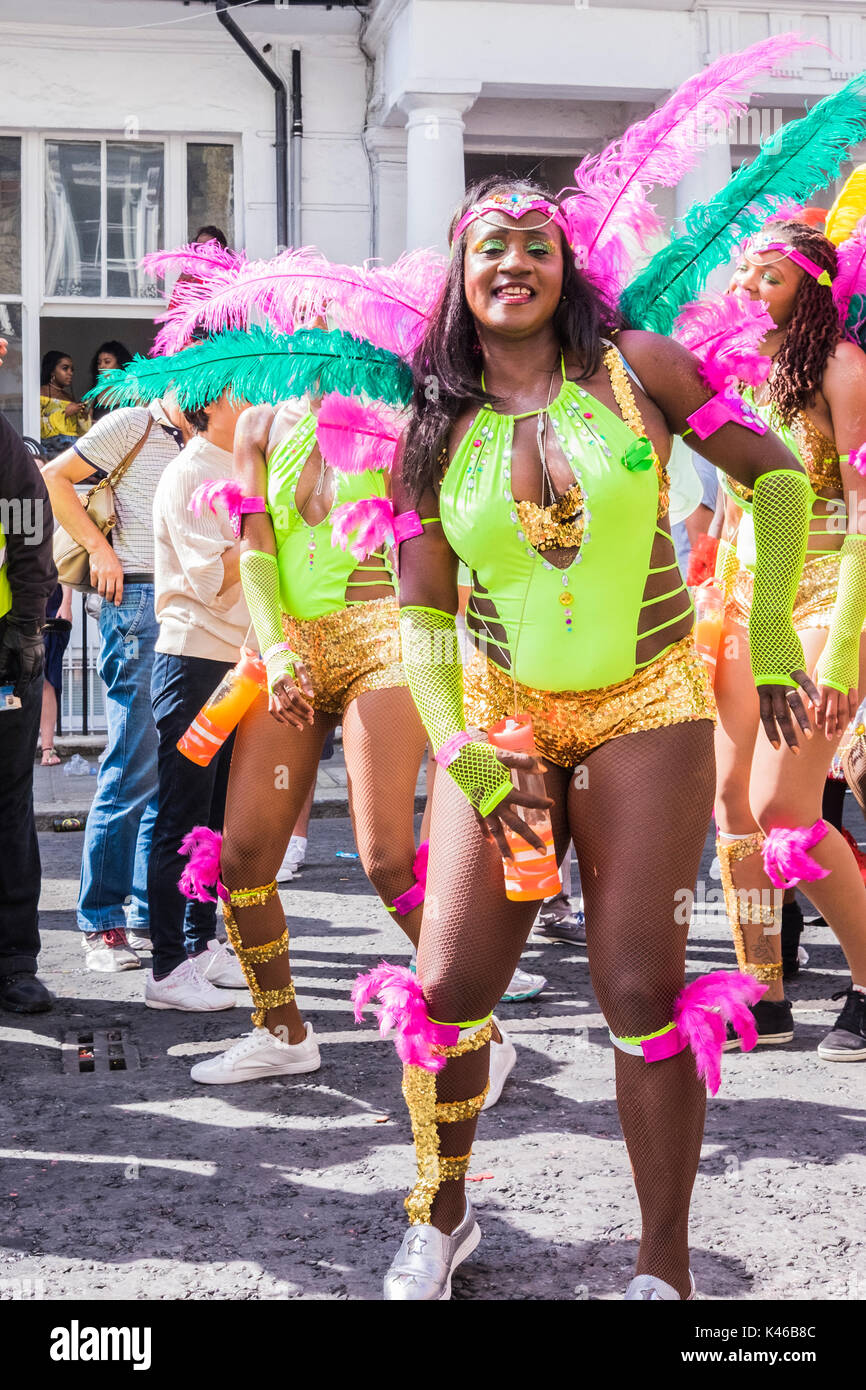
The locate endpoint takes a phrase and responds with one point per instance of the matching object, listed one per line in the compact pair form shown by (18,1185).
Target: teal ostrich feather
(262,367)
(798,159)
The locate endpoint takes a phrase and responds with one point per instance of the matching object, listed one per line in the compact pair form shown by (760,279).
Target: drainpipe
(281,143)
(297,146)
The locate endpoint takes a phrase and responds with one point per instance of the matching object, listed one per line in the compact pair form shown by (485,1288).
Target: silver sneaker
(647,1288)
(423,1265)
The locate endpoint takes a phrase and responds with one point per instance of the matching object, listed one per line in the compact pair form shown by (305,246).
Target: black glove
(22,657)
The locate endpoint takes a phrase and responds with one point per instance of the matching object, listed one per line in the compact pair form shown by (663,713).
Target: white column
(707,178)
(386,146)
(435,181)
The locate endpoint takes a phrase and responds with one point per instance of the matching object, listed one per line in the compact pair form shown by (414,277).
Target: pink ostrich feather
(202,871)
(403,1009)
(850,281)
(725,333)
(857,460)
(373,519)
(200,261)
(354,437)
(786,855)
(665,146)
(225,493)
(388,305)
(701,1011)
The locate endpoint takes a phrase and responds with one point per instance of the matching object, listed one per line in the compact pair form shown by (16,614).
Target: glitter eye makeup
(491,244)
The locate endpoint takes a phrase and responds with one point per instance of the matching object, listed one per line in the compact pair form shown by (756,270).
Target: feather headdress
(611,186)
(799,158)
(199,260)
(849,286)
(388,305)
(848,208)
(259,366)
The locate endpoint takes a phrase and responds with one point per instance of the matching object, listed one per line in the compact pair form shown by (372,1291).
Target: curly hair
(814,330)
(450,353)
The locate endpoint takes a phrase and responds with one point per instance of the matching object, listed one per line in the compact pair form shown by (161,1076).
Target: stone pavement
(136,1182)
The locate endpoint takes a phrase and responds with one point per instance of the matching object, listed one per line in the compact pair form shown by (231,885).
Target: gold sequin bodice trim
(561,525)
(620,384)
(819,453)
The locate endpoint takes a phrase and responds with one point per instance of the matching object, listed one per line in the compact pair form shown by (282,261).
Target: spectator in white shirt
(203,621)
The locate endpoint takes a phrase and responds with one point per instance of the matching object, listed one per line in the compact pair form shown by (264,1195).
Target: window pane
(72,249)
(210,188)
(10,214)
(135,204)
(11,377)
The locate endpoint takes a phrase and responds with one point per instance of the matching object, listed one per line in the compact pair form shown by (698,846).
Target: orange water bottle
(530,875)
(224,710)
(709,617)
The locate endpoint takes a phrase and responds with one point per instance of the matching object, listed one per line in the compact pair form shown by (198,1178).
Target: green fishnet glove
(839,665)
(431,660)
(727,566)
(782,508)
(260,581)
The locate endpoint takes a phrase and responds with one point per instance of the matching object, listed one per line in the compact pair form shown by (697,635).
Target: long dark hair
(814,330)
(49,362)
(447,363)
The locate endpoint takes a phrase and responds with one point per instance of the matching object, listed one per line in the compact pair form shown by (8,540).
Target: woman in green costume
(542,456)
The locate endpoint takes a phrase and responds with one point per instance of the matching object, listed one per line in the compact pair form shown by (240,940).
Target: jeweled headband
(787,250)
(516,206)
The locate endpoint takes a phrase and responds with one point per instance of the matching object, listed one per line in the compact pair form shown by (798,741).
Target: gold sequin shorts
(673,689)
(816,594)
(348,652)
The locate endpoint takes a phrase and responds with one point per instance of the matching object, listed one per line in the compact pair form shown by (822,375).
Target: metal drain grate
(100,1050)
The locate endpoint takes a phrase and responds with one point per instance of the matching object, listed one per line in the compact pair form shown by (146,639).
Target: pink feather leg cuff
(403,1009)
(202,871)
(701,1011)
(786,855)
(414,896)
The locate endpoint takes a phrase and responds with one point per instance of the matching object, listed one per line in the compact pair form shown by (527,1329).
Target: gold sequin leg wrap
(251,956)
(741,909)
(426,1114)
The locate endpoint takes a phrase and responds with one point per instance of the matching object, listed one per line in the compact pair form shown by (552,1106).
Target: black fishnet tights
(273,768)
(636,846)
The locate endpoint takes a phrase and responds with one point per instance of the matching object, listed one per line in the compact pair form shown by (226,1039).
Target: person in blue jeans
(203,621)
(113,910)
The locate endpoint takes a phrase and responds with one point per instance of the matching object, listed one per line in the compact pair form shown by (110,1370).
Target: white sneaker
(292,859)
(109,951)
(502,1060)
(139,941)
(185,988)
(259,1054)
(219,964)
(523,986)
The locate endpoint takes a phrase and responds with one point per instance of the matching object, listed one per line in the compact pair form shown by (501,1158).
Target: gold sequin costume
(743,910)
(251,956)
(568,725)
(347,652)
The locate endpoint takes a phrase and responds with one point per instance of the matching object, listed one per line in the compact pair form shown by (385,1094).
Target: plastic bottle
(709,617)
(529,876)
(224,710)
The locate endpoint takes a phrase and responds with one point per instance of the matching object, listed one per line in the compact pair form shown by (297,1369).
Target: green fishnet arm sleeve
(727,566)
(839,666)
(260,580)
(782,508)
(431,660)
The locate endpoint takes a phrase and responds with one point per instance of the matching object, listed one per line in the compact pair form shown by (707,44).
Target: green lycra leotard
(608,578)
(314,573)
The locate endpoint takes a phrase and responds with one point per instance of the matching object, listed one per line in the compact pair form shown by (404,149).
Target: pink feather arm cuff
(786,855)
(414,896)
(202,871)
(403,1009)
(229,495)
(725,408)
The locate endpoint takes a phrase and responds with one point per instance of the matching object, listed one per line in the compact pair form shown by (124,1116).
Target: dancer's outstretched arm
(782,508)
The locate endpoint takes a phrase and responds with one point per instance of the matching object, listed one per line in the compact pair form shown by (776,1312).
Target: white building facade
(126,124)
